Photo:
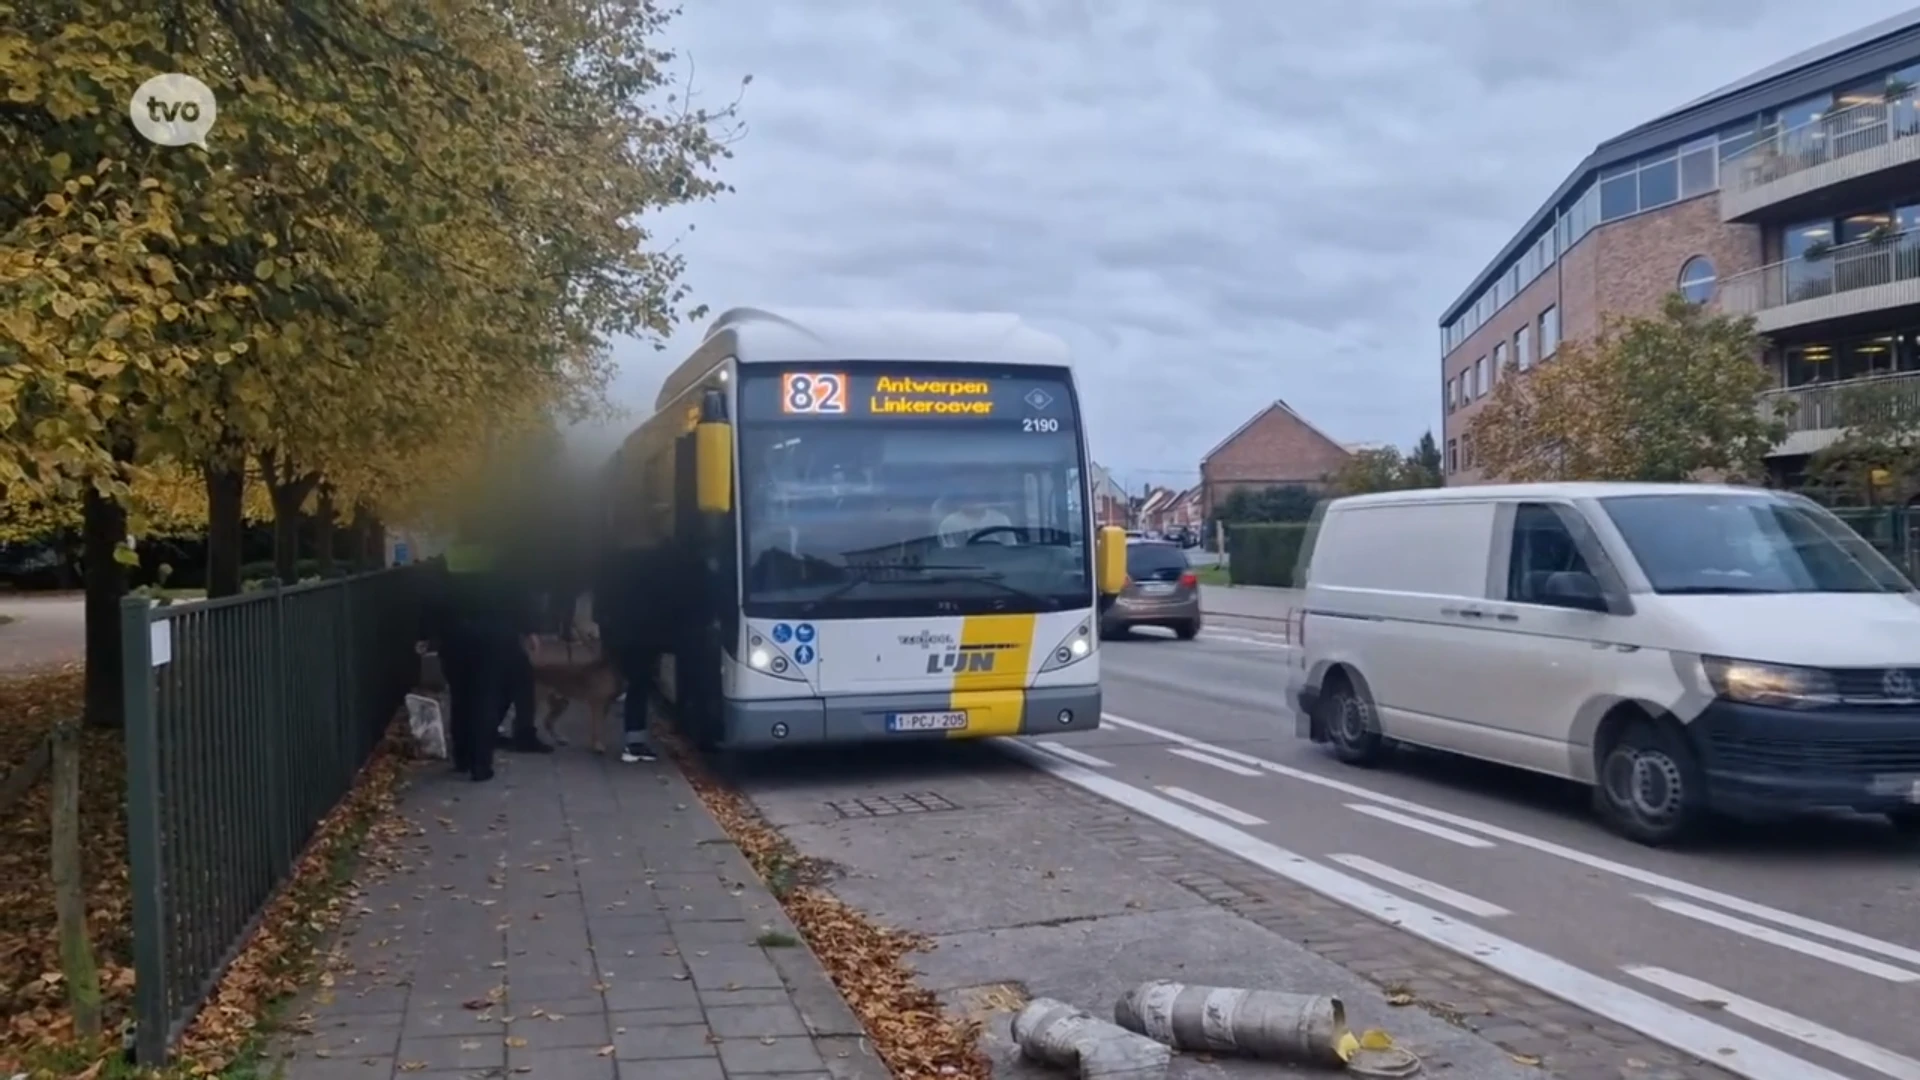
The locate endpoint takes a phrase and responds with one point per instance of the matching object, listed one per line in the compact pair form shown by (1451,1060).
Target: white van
(1683,648)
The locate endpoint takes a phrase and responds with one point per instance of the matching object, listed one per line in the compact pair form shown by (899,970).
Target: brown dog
(577,671)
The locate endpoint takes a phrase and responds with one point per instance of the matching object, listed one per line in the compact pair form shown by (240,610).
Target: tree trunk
(376,548)
(323,531)
(289,491)
(226,498)
(103,531)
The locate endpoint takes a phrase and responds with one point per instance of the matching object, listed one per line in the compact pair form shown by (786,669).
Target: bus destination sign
(933,396)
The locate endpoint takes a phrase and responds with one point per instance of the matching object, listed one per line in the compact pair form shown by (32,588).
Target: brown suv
(1161,591)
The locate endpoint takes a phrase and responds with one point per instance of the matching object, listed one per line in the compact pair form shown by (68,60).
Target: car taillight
(1188,581)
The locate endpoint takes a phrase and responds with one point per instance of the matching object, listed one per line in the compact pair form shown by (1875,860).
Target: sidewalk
(575,919)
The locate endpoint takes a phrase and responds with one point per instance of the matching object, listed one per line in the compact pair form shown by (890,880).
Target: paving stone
(453,1051)
(769,1055)
(753,1021)
(561,1029)
(563,1063)
(681,1069)
(661,1042)
(630,994)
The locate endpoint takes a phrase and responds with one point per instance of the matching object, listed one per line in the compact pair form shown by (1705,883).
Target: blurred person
(482,626)
(972,516)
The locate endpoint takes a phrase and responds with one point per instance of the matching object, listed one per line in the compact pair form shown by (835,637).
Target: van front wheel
(1650,787)
(1347,718)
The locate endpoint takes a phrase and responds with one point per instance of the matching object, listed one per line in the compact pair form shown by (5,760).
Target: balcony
(1859,154)
(1820,416)
(1859,279)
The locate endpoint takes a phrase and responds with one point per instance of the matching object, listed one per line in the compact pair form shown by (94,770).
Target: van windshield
(1737,543)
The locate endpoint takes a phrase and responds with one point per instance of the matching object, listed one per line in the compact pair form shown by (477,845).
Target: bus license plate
(926,721)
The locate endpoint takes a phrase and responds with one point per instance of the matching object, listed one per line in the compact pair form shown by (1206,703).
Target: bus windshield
(876,512)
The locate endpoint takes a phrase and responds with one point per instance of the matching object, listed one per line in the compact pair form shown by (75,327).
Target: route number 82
(813,392)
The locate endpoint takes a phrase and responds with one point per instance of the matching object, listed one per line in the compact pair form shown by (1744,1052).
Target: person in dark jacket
(524,572)
(631,607)
(483,624)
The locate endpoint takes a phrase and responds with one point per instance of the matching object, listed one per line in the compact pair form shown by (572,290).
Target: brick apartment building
(1275,447)
(1792,195)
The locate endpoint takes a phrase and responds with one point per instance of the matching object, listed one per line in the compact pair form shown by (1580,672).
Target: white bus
(884,525)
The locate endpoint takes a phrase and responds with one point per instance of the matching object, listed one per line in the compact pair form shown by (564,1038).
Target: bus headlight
(1072,649)
(765,657)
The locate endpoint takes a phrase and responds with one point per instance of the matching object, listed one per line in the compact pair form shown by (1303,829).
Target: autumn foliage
(1672,397)
(414,228)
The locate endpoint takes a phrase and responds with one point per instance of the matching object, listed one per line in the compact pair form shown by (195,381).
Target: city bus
(878,525)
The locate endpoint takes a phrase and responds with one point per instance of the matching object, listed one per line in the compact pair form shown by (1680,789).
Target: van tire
(1351,728)
(1906,822)
(1649,787)
(1187,631)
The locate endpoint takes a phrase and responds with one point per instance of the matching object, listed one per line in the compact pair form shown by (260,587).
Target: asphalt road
(1802,941)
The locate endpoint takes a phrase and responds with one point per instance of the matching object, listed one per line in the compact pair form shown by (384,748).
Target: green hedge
(1264,554)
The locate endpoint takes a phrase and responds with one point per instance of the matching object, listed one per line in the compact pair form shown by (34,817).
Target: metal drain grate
(913,802)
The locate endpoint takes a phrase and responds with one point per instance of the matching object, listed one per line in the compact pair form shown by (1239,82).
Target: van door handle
(1507,616)
(1471,613)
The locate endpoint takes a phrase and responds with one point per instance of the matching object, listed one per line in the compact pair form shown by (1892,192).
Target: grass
(1213,575)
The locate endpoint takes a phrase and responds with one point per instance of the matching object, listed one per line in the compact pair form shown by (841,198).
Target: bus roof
(758,336)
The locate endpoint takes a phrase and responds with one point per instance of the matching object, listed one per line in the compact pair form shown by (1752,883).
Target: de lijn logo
(173,110)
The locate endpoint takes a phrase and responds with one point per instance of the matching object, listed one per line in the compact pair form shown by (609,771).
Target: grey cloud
(1217,203)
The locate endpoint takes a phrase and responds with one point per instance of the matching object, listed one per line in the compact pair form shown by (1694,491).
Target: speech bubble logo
(174,110)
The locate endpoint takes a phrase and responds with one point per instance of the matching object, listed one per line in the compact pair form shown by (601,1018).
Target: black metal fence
(247,719)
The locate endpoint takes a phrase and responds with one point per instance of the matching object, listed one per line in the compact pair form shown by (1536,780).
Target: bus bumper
(763,723)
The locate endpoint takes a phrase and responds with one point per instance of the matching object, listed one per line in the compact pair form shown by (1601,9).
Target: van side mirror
(1110,560)
(1572,589)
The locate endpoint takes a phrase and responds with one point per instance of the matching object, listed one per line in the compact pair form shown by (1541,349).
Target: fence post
(145,859)
(69,888)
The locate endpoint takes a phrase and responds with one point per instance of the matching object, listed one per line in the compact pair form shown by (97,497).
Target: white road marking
(1879,1059)
(1739,1054)
(1783,939)
(1078,756)
(1417,825)
(1811,927)
(1263,643)
(1219,810)
(1420,886)
(1226,766)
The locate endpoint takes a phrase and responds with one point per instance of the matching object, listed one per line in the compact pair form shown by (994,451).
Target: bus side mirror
(713,467)
(1110,560)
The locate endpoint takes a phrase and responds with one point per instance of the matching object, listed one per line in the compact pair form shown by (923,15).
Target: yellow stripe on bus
(993,696)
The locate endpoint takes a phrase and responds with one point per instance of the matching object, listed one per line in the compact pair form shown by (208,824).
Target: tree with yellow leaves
(410,216)
(1672,397)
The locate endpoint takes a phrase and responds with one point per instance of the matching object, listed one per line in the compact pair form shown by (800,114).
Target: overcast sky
(1217,202)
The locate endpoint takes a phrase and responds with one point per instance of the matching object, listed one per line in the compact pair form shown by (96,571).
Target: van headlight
(1778,685)
(1072,649)
(768,659)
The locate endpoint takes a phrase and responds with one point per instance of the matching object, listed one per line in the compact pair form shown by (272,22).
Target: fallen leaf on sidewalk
(1401,998)
(1525,1059)
(606,1051)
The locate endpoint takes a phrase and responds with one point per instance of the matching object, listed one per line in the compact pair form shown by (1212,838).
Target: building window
(1523,347)
(1466,451)
(1549,332)
(1453,394)
(1659,183)
(1453,455)
(1499,360)
(1699,167)
(1619,192)
(1481,384)
(1697,280)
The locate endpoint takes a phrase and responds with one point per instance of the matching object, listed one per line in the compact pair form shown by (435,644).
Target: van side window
(1542,547)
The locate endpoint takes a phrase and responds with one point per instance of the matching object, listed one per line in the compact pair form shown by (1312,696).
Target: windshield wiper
(1720,590)
(923,574)
(995,580)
